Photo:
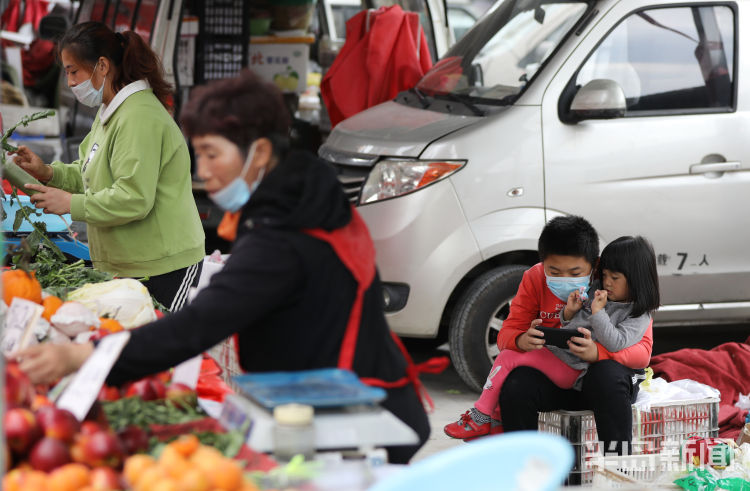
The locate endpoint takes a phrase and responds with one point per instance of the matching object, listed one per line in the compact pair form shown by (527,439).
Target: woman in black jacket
(299,289)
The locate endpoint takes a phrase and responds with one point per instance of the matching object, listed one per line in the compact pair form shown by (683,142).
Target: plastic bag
(660,391)
(125,300)
(73,318)
(704,480)
(743,402)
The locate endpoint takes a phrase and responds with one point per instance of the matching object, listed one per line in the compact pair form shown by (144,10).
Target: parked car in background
(630,113)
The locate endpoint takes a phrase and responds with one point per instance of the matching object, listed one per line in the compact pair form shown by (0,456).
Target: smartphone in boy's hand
(558,337)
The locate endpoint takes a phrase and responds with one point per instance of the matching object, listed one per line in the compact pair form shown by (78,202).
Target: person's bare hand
(600,300)
(573,306)
(51,200)
(532,339)
(584,347)
(31,163)
(46,363)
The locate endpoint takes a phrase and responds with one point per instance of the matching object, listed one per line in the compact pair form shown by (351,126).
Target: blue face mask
(234,195)
(562,287)
(87,94)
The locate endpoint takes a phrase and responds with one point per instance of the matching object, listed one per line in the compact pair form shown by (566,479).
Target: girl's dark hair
(569,236)
(241,109)
(634,257)
(132,58)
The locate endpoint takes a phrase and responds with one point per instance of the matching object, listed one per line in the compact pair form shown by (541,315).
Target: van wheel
(477,319)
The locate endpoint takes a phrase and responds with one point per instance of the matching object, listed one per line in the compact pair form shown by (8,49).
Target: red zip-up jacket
(535,301)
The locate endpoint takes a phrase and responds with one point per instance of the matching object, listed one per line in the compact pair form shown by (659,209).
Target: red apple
(159,388)
(21,429)
(105,479)
(134,439)
(58,423)
(90,427)
(179,392)
(109,393)
(103,449)
(18,388)
(142,389)
(49,454)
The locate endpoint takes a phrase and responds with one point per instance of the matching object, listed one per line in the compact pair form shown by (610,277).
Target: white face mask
(87,94)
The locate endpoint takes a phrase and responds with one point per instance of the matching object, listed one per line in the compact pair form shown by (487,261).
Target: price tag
(19,324)
(80,395)
(188,371)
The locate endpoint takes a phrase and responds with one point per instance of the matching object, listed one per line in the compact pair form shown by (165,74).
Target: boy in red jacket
(568,248)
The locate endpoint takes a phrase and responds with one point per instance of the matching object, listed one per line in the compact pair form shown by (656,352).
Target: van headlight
(390,177)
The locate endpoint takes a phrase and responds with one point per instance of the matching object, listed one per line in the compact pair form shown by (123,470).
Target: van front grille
(352,179)
(352,170)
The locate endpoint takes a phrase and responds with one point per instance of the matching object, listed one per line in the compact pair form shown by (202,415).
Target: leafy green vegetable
(59,278)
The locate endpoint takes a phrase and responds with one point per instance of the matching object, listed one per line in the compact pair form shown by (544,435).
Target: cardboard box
(281,60)
(744,436)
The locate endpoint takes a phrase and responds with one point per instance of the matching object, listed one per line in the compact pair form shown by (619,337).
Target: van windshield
(497,58)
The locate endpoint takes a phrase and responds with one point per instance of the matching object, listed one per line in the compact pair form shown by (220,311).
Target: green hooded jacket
(131,184)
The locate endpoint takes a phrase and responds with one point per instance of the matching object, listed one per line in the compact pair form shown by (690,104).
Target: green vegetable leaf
(18,220)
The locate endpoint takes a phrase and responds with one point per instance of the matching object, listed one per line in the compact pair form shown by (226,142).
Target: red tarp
(385,52)
(725,367)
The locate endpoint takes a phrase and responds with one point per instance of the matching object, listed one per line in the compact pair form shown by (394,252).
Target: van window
(495,61)
(669,59)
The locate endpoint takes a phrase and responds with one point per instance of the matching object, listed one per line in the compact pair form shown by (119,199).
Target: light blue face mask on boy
(235,194)
(563,286)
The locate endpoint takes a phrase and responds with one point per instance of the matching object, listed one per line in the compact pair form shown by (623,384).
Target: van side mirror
(598,99)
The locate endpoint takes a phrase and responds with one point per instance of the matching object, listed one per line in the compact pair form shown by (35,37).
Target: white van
(627,112)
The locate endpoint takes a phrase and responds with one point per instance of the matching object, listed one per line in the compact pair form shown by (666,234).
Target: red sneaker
(466,427)
(496,428)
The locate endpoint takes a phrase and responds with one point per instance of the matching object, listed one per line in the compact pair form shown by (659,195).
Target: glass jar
(293,432)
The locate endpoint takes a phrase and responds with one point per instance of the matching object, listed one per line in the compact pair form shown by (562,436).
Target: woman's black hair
(634,257)
(132,58)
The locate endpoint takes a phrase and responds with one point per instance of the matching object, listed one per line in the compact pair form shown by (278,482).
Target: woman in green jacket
(131,183)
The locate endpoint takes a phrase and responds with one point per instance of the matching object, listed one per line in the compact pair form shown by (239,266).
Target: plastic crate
(223,39)
(631,471)
(660,430)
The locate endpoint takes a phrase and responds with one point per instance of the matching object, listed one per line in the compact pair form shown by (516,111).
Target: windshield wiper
(420,97)
(469,105)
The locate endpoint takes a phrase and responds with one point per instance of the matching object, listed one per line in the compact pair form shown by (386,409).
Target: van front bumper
(424,244)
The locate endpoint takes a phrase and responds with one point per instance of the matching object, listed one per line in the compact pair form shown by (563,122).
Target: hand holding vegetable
(31,163)
(46,363)
(52,200)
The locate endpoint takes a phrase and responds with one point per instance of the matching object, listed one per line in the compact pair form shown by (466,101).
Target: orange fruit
(227,475)
(173,462)
(165,484)
(35,481)
(13,480)
(135,466)
(110,325)
(205,454)
(194,480)
(150,476)
(70,477)
(50,303)
(185,445)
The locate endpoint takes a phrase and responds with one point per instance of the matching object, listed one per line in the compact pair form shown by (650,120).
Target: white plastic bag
(743,402)
(125,300)
(661,391)
(73,318)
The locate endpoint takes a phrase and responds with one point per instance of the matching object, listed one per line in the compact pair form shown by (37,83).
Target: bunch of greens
(18,178)
(58,278)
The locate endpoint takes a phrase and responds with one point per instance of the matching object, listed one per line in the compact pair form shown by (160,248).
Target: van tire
(470,335)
